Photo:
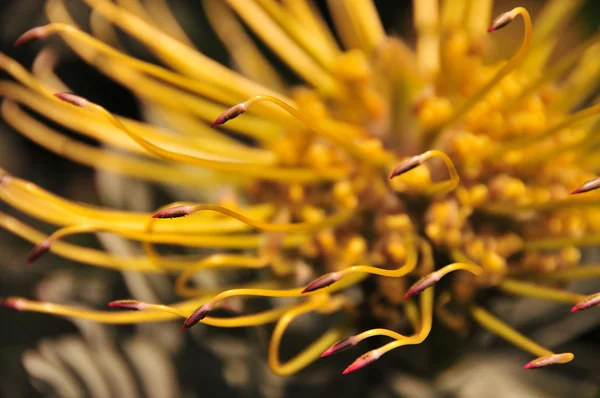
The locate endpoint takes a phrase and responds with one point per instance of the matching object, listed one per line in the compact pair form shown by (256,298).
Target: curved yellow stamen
(501,329)
(504,71)
(512,286)
(322,304)
(288,175)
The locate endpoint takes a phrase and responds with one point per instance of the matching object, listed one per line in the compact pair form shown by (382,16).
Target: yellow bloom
(406,164)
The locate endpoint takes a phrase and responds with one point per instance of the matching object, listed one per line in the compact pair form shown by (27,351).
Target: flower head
(389,161)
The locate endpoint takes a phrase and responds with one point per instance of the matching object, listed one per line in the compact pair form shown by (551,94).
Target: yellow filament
(554,71)
(98,158)
(43,68)
(176,53)
(505,70)
(346,282)
(343,24)
(313,351)
(560,242)
(382,159)
(309,227)
(421,335)
(282,45)
(445,186)
(222,241)
(216,261)
(36,201)
(569,202)
(378,332)
(99,128)
(512,286)
(369,23)
(305,11)
(501,329)
(245,55)
(472,268)
(407,268)
(426,21)
(160,12)
(479,17)
(160,313)
(288,175)
(453,14)
(581,272)
(90,256)
(566,122)
(318,49)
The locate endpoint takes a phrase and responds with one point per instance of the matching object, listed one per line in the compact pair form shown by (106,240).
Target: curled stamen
(431,279)
(340,346)
(322,282)
(418,160)
(589,302)
(550,360)
(197,316)
(182,211)
(363,361)
(406,166)
(229,114)
(381,158)
(38,251)
(588,186)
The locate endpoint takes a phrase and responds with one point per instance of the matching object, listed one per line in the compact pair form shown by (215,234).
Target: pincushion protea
(340,176)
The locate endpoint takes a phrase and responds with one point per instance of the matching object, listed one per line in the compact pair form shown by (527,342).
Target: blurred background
(86,359)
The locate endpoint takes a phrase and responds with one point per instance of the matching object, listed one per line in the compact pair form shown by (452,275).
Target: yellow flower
(406,164)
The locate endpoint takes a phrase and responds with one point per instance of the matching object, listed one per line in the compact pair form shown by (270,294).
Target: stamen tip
(406,166)
(130,304)
(552,359)
(38,252)
(174,212)
(340,346)
(31,34)
(72,99)
(196,317)
(321,282)
(229,114)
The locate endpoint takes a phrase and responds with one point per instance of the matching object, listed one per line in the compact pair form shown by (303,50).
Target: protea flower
(391,166)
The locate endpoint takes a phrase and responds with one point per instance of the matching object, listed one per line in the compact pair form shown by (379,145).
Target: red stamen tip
(130,304)
(31,34)
(72,99)
(38,251)
(229,114)
(422,284)
(548,360)
(197,316)
(587,186)
(340,346)
(362,361)
(16,303)
(321,282)
(589,302)
(502,21)
(174,212)
(406,166)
